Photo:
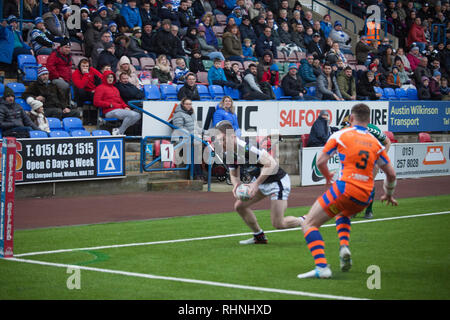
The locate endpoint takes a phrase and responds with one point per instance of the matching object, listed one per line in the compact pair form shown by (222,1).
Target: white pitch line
(214,237)
(186,280)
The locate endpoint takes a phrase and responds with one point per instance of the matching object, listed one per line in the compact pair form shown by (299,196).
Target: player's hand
(234,190)
(253,189)
(389,200)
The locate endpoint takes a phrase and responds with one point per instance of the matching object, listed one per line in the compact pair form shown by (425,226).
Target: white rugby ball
(242,192)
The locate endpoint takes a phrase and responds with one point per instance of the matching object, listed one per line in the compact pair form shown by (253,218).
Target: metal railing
(190,166)
(346,19)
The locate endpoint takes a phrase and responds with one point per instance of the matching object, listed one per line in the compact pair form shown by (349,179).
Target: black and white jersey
(249,155)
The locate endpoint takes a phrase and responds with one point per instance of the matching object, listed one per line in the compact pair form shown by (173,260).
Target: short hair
(217,60)
(252,65)
(326,64)
(361,112)
(348,68)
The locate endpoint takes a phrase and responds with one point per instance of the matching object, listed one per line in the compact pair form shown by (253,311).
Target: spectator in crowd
(414,58)
(247,51)
(306,71)
(135,47)
(264,64)
(55,24)
(362,50)
(405,81)
(347,84)
(246,30)
(124,65)
(316,47)
(190,40)
(196,61)
(210,37)
(148,15)
(232,72)
(180,71)
(94,35)
(292,84)
(168,11)
(255,10)
(99,46)
(59,65)
(37,116)
(265,43)
(393,79)
(216,75)
(422,70)
(225,111)
(317,67)
(308,20)
(344,40)
(272,76)
(131,15)
(85,79)
(205,48)
(127,90)
(308,36)
(335,54)
(56,104)
(434,86)
(416,35)
(287,44)
(41,39)
(399,28)
(186,17)
(259,25)
(297,37)
(251,90)
(108,57)
(320,130)
(161,70)
(387,59)
(164,41)
(147,39)
(11,42)
(189,90)
(14,122)
(184,119)
(401,55)
(326,25)
(327,87)
(424,89)
(232,45)
(295,20)
(317,29)
(107,97)
(444,89)
(365,87)
(179,51)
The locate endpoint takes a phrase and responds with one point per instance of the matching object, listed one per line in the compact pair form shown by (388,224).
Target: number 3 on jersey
(364,157)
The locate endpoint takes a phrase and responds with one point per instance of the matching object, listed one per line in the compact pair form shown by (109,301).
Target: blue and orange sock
(316,246)
(343,228)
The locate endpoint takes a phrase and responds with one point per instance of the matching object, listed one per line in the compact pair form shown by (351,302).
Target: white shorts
(277,190)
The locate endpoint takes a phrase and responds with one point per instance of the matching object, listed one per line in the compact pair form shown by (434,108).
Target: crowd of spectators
(241,43)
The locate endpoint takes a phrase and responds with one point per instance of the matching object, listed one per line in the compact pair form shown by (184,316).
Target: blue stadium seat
(168,92)
(216,92)
(102,117)
(24,104)
(401,94)
(17,87)
(28,65)
(152,92)
(79,133)
(179,86)
(97,133)
(233,93)
(203,92)
(55,124)
(72,123)
(59,134)
(37,134)
(311,91)
(2,89)
(389,93)
(379,90)
(412,94)
(279,94)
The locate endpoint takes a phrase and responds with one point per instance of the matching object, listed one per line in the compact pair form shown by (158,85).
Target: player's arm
(387,144)
(235,178)
(390,182)
(270,167)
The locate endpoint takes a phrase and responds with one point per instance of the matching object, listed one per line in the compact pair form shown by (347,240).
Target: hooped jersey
(377,133)
(249,155)
(358,153)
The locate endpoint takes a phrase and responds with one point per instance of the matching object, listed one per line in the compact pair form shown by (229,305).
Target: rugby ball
(242,192)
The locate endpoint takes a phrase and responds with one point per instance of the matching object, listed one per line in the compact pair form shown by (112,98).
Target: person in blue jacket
(225,111)
(131,14)
(216,75)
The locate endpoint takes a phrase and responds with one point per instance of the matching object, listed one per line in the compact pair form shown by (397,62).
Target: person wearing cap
(135,47)
(292,84)
(393,79)
(40,38)
(272,76)
(414,58)
(11,43)
(340,36)
(362,50)
(38,117)
(108,57)
(55,23)
(131,15)
(14,122)
(315,47)
(320,130)
(103,13)
(246,30)
(423,91)
(434,86)
(93,36)
(165,42)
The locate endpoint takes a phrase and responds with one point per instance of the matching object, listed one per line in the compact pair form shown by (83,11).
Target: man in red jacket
(107,97)
(417,35)
(59,65)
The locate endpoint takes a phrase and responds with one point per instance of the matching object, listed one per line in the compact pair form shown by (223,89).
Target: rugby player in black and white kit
(272,182)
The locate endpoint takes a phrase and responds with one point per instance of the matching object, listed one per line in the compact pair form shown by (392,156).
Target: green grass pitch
(412,254)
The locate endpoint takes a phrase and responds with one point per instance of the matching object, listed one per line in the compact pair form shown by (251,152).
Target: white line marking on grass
(185,280)
(215,237)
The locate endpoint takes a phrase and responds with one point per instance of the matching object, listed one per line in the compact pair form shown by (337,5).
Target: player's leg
(279,221)
(247,214)
(343,228)
(316,217)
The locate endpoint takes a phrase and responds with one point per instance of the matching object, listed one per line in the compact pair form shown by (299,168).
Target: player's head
(225,134)
(360,114)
